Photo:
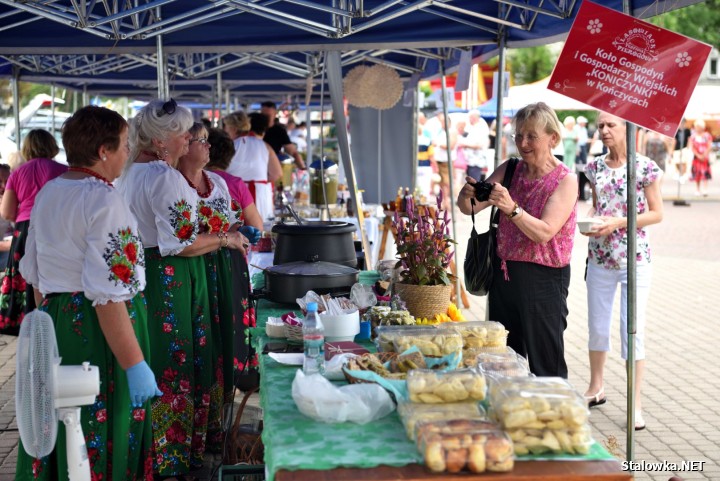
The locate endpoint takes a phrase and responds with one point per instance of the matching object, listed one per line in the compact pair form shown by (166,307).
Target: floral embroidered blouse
(163,203)
(239,193)
(532,195)
(611,189)
(213,213)
(95,249)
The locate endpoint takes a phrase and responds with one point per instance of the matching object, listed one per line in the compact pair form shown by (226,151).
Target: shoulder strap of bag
(509,172)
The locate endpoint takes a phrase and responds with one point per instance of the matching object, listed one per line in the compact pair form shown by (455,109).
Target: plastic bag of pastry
(321,400)
(479,333)
(310,296)
(412,414)
(386,335)
(433,387)
(503,368)
(541,415)
(458,449)
(362,296)
(433,342)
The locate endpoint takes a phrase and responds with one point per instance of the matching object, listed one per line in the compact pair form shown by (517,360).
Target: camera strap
(507,179)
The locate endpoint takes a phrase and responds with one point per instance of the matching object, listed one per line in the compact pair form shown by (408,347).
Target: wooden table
(524,471)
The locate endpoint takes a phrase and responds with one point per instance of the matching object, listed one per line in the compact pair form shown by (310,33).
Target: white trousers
(601,287)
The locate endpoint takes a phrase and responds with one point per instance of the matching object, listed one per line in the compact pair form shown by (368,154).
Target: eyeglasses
(167,108)
(531,139)
(201,141)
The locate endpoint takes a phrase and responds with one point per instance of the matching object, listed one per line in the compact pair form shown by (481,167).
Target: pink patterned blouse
(532,195)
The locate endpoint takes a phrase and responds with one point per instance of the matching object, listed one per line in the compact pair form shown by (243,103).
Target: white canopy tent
(522,95)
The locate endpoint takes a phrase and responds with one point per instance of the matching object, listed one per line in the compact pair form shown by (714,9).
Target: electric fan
(46,392)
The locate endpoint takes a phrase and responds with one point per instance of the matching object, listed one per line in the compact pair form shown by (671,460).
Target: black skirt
(16,296)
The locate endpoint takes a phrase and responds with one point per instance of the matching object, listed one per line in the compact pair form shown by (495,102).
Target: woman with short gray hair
(165,206)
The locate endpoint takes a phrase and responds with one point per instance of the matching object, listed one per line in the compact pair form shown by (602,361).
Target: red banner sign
(630,68)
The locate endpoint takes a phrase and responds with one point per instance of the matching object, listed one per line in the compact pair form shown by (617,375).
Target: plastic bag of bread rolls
(413,413)
(479,333)
(456,446)
(386,335)
(435,343)
(542,415)
(435,387)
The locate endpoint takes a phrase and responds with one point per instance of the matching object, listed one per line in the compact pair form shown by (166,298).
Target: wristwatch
(516,211)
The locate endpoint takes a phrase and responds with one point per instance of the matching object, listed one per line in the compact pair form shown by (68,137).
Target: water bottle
(313,341)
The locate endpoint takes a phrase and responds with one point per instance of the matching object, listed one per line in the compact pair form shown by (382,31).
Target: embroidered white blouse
(163,203)
(96,249)
(214,212)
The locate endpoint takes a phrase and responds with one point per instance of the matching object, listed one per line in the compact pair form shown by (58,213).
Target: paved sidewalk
(682,385)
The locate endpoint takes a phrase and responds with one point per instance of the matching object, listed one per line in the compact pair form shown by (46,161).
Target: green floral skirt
(118,436)
(184,361)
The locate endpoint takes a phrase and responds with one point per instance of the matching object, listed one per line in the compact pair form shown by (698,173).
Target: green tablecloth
(293,441)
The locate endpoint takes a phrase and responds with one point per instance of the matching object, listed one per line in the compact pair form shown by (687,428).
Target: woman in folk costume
(215,217)
(90,270)
(254,161)
(243,206)
(16,296)
(177,294)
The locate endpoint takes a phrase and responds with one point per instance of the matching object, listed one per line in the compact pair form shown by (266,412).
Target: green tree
(700,21)
(531,64)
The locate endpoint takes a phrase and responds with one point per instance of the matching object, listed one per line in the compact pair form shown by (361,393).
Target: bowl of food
(588,225)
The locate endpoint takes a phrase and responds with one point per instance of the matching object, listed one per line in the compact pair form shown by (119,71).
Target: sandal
(639,421)
(597,399)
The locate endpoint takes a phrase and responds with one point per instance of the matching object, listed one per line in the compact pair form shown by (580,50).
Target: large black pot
(328,241)
(286,282)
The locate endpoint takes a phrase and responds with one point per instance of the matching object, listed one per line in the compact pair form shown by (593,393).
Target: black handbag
(480,253)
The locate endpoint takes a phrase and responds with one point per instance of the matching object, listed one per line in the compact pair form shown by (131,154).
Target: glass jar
(329,179)
(288,167)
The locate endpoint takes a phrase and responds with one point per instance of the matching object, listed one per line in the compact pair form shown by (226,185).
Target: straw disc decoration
(351,85)
(378,87)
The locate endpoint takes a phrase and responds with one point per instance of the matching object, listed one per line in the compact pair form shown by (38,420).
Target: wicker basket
(294,333)
(382,356)
(424,301)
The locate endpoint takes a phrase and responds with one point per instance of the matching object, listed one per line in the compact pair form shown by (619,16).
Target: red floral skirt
(16,296)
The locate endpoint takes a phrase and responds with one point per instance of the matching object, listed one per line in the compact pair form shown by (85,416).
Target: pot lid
(320,268)
(315,227)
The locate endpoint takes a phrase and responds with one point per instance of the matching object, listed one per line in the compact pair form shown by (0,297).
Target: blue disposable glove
(141,381)
(253,234)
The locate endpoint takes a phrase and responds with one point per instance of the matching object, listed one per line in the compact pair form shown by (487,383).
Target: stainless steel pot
(286,282)
(328,241)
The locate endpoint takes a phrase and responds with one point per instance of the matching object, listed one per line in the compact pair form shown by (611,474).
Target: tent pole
(227,101)
(458,293)
(52,109)
(163,87)
(16,104)
(631,276)
(85,98)
(219,92)
(379,154)
(499,96)
(335,83)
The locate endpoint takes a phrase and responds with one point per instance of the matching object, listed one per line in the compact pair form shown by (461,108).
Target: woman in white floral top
(607,253)
(177,293)
(215,217)
(90,269)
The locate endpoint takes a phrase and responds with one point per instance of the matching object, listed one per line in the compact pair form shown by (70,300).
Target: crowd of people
(147,278)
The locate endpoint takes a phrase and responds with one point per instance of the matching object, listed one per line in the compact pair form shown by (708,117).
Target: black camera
(482,191)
